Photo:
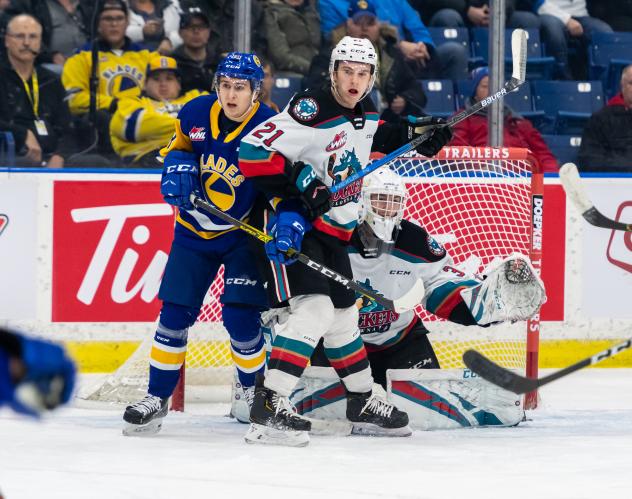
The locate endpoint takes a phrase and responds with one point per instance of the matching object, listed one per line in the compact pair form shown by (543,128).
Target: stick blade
(569,176)
(496,374)
(411,299)
(519,54)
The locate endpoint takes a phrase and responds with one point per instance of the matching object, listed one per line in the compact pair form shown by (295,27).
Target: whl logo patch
(197,134)
(339,140)
(4,221)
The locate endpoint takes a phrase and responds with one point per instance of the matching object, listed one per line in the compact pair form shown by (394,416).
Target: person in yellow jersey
(121,68)
(142,125)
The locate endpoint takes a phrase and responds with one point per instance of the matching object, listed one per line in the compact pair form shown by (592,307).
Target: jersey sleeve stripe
(409,257)
(446,297)
(256,161)
(328,228)
(131,125)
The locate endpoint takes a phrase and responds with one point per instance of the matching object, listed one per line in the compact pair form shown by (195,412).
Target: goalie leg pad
(345,350)
(512,291)
(451,398)
(310,318)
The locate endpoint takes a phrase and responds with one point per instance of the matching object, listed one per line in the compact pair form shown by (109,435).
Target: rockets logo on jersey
(219,180)
(197,134)
(348,165)
(305,109)
(434,247)
(4,221)
(374,318)
(339,140)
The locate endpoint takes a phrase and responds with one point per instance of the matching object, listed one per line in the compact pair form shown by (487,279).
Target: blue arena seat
(567,104)
(441,101)
(608,54)
(564,147)
(539,66)
(285,86)
(459,35)
(7,149)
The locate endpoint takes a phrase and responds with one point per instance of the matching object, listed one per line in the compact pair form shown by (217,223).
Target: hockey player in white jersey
(388,255)
(320,138)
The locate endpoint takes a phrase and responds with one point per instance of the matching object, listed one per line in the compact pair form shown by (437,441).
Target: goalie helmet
(351,49)
(383,201)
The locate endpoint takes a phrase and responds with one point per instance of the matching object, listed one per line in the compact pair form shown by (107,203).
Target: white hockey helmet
(354,50)
(383,202)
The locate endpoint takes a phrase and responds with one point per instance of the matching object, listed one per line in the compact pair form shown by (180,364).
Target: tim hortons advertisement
(111,241)
(607,254)
(18,246)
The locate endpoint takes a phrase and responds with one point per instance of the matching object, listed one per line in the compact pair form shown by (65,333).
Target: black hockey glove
(439,137)
(314,194)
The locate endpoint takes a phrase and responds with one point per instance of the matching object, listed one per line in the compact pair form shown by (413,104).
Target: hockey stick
(407,302)
(575,191)
(519,56)
(513,382)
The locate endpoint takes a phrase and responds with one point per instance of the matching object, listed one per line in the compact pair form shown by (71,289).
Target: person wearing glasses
(121,69)
(32,105)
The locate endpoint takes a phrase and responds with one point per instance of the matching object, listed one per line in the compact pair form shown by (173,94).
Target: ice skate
(274,420)
(372,415)
(241,402)
(145,417)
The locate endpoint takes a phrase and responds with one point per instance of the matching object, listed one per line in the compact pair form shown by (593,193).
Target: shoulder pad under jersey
(414,243)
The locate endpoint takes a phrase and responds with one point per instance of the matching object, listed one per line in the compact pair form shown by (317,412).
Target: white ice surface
(577,445)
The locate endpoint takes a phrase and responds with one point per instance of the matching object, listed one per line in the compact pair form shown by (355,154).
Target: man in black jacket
(32,104)
(607,139)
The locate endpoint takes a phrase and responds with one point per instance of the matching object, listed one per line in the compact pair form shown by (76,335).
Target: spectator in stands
(446,61)
(198,55)
(563,21)
(471,13)
(293,31)
(221,13)
(143,125)
(65,25)
(607,139)
(396,82)
(266,86)
(32,104)
(154,24)
(517,131)
(616,13)
(121,70)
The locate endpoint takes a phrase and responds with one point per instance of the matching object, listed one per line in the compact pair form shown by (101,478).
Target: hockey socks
(247,345)
(167,356)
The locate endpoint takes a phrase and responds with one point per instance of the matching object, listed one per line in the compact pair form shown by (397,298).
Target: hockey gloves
(48,376)
(287,228)
(180,179)
(314,194)
(439,137)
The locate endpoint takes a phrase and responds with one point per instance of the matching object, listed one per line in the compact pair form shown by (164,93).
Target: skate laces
(283,405)
(148,404)
(378,406)
(249,395)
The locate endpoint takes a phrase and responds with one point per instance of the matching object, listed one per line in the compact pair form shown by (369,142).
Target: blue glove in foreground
(49,378)
(288,229)
(180,179)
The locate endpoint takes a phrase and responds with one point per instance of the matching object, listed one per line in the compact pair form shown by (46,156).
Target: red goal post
(481,203)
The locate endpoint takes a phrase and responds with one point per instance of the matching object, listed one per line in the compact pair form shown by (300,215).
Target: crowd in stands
(155,55)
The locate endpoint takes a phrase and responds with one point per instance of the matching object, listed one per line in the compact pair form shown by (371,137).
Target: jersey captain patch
(305,109)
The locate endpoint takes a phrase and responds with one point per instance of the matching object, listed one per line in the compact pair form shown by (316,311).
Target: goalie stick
(519,68)
(515,383)
(575,191)
(407,302)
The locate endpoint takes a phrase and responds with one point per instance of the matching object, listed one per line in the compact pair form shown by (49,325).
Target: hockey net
(480,203)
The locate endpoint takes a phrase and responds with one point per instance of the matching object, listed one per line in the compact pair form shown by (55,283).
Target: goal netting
(480,203)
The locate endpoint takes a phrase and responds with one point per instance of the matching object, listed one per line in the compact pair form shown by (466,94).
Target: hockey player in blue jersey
(202,158)
(35,375)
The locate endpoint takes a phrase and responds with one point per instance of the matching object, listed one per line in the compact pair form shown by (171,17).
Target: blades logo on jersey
(305,109)
(197,134)
(219,181)
(374,318)
(339,140)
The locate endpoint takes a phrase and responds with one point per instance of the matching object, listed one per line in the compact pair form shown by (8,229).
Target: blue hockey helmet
(241,66)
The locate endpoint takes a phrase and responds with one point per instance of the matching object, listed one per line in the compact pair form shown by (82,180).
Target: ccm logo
(240,281)
(399,272)
(619,250)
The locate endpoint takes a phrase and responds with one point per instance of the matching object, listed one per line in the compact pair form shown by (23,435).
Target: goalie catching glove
(440,136)
(511,291)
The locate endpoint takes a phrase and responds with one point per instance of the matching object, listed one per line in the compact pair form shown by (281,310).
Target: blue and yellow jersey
(141,125)
(121,74)
(198,130)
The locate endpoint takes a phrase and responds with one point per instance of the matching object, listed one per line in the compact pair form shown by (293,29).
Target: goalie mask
(383,202)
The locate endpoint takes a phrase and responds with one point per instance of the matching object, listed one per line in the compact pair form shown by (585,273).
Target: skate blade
(145,430)
(330,427)
(260,434)
(369,429)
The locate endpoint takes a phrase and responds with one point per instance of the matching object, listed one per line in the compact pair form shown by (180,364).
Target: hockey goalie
(388,255)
